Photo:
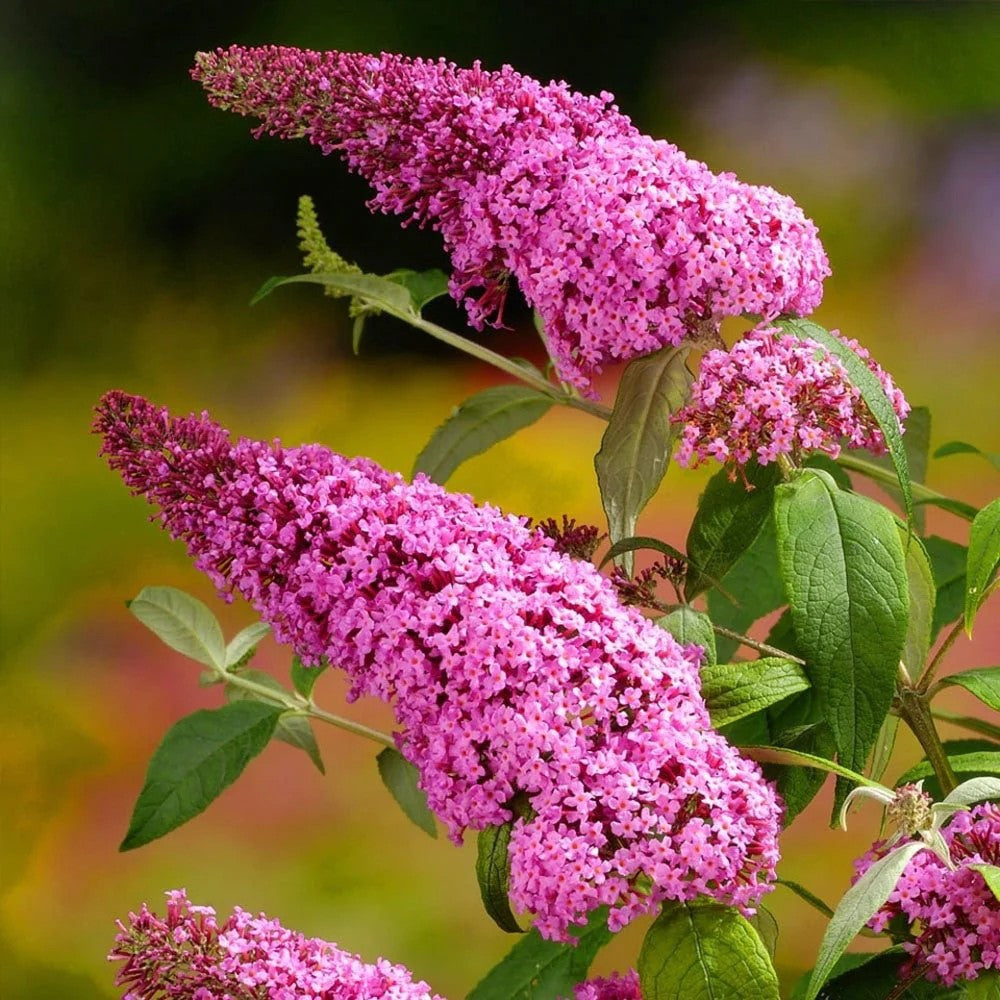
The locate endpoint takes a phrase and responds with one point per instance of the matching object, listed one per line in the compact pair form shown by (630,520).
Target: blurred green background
(136,224)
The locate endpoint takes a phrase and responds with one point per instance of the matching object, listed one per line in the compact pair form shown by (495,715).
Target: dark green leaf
(867,383)
(957,507)
(536,969)
(727,522)
(964,448)
(983,682)
(400,777)
(383,293)
(798,786)
(856,908)
(690,627)
(243,645)
(297,731)
(183,622)
(478,424)
(636,446)
(493,873)
(948,563)
(199,757)
(984,556)
(423,286)
(705,952)
(755,589)
(304,678)
(923,594)
(874,977)
(844,571)
(831,467)
(734,690)
(973,764)
(986,986)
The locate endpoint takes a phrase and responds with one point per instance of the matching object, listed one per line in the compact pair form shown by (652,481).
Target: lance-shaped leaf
(948,564)
(478,424)
(875,977)
(923,594)
(536,969)
(244,643)
(183,622)
(727,522)
(200,756)
(383,293)
(843,566)
(690,627)
(636,446)
(983,682)
(304,678)
(798,758)
(867,383)
(400,777)
(493,875)
(984,556)
(735,690)
(857,907)
(705,952)
(964,448)
(972,764)
(423,286)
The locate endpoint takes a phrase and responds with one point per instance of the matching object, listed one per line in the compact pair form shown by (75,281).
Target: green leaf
(984,556)
(636,446)
(948,563)
(976,763)
(857,907)
(964,448)
(705,952)
(972,791)
(383,293)
(803,893)
(493,874)
(784,755)
(358,329)
(200,756)
(983,682)
(304,678)
(799,785)
(478,424)
(401,777)
(244,644)
(986,986)
(735,690)
(536,969)
(832,468)
(296,730)
(923,594)
(885,743)
(867,383)
(423,286)
(991,876)
(916,444)
(874,977)
(766,926)
(690,627)
(727,522)
(844,571)
(183,622)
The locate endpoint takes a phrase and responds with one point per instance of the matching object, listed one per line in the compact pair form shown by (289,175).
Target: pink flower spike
(622,243)
(514,671)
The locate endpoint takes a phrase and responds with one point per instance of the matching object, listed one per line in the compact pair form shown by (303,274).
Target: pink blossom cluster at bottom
(616,987)
(188,954)
(953,916)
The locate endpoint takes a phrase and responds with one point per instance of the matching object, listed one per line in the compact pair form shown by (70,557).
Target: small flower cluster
(641,589)
(952,914)
(514,671)
(570,538)
(615,987)
(622,243)
(775,394)
(188,955)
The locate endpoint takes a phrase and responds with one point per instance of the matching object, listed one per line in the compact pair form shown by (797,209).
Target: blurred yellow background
(137,224)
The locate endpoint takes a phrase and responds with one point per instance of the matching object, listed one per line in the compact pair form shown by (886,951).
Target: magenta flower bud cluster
(523,689)
(953,916)
(776,394)
(189,955)
(615,987)
(622,243)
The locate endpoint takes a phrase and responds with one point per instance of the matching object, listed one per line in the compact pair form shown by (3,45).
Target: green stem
(916,713)
(303,706)
(504,364)
(928,675)
(888,477)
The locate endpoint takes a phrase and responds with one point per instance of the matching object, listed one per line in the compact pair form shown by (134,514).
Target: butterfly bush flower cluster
(522,688)
(776,394)
(953,916)
(621,242)
(615,987)
(189,955)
